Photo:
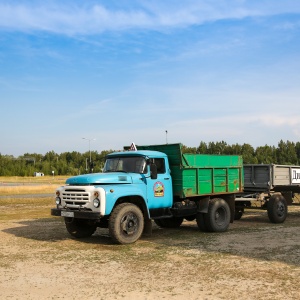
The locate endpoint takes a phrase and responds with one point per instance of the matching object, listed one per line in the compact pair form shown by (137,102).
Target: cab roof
(148,153)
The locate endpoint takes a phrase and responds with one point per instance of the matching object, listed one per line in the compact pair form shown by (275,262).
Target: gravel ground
(253,260)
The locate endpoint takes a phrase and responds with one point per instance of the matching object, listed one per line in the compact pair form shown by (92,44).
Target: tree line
(75,163)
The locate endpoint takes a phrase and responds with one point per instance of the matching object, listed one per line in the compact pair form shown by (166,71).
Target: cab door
(159,191)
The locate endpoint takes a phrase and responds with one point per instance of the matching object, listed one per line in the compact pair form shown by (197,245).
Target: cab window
(160,164)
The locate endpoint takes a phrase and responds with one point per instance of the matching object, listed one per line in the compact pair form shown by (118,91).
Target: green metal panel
(206,160)
(201,174)
(173,152)
(205,182)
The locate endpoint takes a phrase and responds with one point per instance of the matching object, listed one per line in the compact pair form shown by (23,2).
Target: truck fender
(138,201)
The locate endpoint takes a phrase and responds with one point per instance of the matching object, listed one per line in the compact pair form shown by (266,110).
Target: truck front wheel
(80,228)
(126,223)
(277,209)
(217,218)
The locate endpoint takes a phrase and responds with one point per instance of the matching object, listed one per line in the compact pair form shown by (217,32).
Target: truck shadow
(252,237)
(53,230)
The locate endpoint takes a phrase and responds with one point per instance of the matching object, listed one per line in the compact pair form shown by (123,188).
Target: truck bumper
(75,214)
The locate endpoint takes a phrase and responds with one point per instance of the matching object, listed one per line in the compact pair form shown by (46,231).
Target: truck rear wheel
(80,228)
(126,223)
(277,209)
(217,218)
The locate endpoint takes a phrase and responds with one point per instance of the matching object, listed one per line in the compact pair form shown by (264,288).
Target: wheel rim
(280,209)
(220,216)
(129,224)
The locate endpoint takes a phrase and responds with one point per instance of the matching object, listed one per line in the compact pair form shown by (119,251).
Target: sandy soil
(253,260)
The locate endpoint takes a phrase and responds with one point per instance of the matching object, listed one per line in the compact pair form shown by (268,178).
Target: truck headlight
(96,202)
(57,200)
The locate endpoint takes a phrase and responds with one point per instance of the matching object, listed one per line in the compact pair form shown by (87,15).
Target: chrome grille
(75,197)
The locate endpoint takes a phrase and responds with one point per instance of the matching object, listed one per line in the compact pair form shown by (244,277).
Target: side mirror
(153,171)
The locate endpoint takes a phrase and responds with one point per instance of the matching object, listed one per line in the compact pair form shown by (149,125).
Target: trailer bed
(271,177)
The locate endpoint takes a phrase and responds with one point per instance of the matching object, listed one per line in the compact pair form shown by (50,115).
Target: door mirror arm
(153,171)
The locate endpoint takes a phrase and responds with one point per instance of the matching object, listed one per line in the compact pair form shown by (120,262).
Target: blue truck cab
(145,183)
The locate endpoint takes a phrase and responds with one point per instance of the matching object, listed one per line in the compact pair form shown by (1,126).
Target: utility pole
(90,150)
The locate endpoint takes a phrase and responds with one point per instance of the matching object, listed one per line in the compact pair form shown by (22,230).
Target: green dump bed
(201,174)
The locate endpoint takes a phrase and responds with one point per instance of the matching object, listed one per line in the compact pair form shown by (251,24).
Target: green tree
(265,154)
(297,149)
(248,154)
(286,153)
(217,148)
(202,148)
(186,149)
(235,149)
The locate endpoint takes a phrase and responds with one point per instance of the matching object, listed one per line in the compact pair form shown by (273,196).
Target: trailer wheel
(126,223)
(80,228)
(238,213)
(277,209)
(173,222)
(201,222)
(217,218)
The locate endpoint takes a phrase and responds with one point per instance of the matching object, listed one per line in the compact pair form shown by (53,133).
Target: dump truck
(154,182)
(271,187)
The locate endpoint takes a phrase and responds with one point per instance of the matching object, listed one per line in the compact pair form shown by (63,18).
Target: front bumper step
(75,214)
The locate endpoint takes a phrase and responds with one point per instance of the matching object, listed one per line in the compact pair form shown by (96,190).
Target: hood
(100,178)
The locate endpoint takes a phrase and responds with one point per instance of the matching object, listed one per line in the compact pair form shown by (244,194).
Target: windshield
(131,164)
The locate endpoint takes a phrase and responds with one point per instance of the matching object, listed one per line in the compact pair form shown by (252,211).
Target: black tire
(80,228)
(277,209)
(217,218)
(126,223)
(170,222)
(238,213)
(201,222)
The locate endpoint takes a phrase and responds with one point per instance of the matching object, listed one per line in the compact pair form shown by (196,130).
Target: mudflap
(230,199)
(147,227)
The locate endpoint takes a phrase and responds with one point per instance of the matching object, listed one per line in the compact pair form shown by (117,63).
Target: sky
(149,72)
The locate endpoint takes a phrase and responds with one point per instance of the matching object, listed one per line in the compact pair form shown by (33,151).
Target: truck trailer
(271,187)
(154,182)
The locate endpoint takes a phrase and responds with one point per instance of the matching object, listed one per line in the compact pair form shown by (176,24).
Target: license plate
(69,214)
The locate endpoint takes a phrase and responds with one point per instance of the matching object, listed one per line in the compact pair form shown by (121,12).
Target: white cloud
(256,129)
(68,18)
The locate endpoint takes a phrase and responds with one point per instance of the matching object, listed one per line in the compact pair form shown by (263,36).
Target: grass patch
(25,208)
(33,180)
(31,201)
(25,190)
(20,214)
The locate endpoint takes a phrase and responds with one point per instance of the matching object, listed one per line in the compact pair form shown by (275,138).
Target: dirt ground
(253,260)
